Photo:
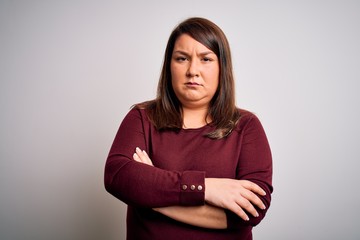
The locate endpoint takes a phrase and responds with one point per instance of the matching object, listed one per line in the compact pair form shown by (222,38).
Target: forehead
(186,43)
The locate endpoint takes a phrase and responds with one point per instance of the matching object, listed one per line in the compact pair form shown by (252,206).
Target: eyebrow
(201,54)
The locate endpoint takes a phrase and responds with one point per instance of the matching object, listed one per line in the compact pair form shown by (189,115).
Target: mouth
(192,84)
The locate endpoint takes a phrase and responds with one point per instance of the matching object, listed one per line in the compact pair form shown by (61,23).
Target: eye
(181,59)
(206,59)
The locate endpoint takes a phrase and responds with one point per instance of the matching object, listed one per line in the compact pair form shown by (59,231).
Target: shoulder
(245,115)
(136,113)
(247,119)
(141,109)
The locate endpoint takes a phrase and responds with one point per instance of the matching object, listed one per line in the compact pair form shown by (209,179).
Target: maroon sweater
(182,160)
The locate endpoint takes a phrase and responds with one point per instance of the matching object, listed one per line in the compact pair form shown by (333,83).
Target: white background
(70,70)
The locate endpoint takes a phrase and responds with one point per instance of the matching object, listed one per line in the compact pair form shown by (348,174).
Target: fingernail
(137,149)
(264,207)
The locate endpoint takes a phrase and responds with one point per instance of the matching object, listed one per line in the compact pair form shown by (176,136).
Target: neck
(195,118)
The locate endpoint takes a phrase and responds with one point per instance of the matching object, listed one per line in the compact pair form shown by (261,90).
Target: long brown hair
(165,111)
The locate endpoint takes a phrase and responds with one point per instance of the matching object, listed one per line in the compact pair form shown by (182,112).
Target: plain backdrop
(70,71)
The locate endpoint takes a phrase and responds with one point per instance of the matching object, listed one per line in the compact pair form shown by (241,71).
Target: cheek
(215,85)
(214,77)
(172,69)
(175,74)
(174,79)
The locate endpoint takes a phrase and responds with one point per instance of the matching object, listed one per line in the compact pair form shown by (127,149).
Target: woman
(190,164)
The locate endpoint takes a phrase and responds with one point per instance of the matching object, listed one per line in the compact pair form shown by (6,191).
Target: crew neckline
(196,129)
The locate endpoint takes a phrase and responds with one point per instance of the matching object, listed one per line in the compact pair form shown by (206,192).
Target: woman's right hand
(236,195)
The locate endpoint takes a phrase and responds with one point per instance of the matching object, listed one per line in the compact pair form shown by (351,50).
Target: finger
(139,152)
(247,206)
(136,157)
(235,208)
(253,187)
(254,199)
(147,158)
(143,156)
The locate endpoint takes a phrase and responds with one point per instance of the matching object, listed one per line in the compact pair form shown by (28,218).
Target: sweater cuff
(192,188)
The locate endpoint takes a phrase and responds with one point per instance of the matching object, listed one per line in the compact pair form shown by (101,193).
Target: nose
(193,69)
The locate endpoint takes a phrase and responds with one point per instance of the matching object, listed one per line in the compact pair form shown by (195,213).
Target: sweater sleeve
(255,165)
(141,185)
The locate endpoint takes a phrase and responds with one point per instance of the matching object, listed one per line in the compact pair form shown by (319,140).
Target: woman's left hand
(142,156)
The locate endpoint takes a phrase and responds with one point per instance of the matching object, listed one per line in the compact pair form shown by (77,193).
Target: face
(195,72)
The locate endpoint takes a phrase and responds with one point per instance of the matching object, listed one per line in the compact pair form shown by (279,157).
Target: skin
(220,194)
(195,78)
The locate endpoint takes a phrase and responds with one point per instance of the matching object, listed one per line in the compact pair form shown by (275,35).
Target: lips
(192,84)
